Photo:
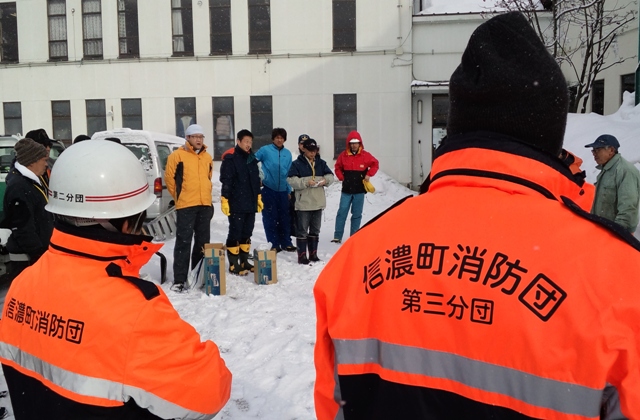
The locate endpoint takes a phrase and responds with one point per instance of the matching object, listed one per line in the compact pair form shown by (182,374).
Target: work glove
(225,206)
(260,205)
(368,186)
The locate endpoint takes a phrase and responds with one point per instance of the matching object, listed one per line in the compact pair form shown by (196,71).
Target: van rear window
(142,153)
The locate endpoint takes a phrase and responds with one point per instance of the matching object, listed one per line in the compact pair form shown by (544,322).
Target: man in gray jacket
(617,186)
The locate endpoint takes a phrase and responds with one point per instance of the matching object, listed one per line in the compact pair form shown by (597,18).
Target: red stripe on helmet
(102,198)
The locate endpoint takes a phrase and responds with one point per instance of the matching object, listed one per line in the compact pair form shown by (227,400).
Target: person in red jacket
(82,336)
(353,167)
(492,295)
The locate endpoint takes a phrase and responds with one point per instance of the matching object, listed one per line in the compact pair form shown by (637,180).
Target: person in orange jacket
(492,295)
(82,336)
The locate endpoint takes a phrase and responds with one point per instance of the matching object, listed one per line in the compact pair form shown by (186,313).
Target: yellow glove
(368,186)
(225,206)
(260,204)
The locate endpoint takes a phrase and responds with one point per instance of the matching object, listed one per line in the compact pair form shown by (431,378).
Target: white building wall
(301,74)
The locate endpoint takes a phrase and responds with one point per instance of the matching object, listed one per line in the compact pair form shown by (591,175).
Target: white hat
(193,129)
(354,140)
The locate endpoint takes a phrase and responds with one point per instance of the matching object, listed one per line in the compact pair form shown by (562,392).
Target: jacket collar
(130,252)
(612,162)
(492,158)
(189,148)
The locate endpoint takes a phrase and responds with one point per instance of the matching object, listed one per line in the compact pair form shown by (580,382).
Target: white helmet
(98,180)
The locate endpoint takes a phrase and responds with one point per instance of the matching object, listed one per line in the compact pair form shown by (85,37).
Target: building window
(220,18)
(8,33)
(259,27)
(345,120)
(61,116)
(128,28)
(96,116)
(627,84)
(223,125)
(597,97)
(12,117)
(92,29)
(132,113)
(185,114)
(439,116)
(344,25)
(182,26)
(261,120)
(57,13)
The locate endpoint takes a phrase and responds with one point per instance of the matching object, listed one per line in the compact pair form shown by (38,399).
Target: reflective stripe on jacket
(472,300)
(188,176)
(81,323)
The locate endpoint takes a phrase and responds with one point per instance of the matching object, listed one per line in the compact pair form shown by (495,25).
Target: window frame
(61,119)
(256,7)
(126,115)
(63,17)
(217,10)
(597,97)
(624,83)
(85,40)
(10,120)
(187,33)
(179,116)
(341,11)
(220,144)
(261,138)
(339,141)
(12,22)
(128,26)
(96,118)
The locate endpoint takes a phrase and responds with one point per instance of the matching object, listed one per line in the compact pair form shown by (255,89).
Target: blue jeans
(356,202)
(275,217)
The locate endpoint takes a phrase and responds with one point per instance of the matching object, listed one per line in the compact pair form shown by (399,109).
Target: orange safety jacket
(492,295)
(82,337)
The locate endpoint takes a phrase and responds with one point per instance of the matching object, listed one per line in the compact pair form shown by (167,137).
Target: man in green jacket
(617,186)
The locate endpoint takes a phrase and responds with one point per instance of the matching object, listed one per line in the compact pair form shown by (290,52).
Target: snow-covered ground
(266,334)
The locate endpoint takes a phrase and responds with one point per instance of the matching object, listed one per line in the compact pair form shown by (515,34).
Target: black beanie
(39,136)
(508,83)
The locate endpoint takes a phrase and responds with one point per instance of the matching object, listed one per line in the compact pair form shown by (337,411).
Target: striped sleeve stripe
(87,386)
(564,397)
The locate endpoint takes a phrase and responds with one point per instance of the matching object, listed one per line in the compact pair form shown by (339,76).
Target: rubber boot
(233,254)
(244,257)
(313,248)
(302,250)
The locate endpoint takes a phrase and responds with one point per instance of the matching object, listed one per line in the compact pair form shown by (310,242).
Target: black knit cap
(39,136)
(508,83)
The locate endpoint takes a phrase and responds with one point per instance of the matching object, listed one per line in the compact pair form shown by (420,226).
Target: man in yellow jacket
(492,295)
(188,177)
(81,336)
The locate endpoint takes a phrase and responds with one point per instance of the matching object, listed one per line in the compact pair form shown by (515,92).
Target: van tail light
(157,187)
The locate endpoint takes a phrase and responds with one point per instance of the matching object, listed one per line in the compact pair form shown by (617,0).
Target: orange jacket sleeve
(169,360)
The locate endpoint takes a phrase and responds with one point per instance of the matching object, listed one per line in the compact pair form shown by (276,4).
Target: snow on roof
(425,83)
(432,7)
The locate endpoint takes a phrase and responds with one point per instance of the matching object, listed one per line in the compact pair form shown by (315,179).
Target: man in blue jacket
(276,192)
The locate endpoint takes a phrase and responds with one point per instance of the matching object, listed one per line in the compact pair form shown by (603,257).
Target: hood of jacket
(354,135)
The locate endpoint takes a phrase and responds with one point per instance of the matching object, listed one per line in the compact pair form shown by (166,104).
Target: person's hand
(311,183)
(260,204)
(366,177)
(225,206)
(322,182)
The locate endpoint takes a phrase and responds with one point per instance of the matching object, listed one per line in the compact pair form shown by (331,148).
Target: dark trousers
(193,222)
(309,223)
(275,217)
(240,228)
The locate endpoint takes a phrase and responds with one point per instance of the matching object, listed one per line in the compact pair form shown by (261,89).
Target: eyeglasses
(197,137)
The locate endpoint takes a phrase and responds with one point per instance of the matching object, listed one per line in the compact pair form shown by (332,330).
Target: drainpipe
(637,89)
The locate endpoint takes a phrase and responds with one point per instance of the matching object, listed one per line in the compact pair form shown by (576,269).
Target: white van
(152,149)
